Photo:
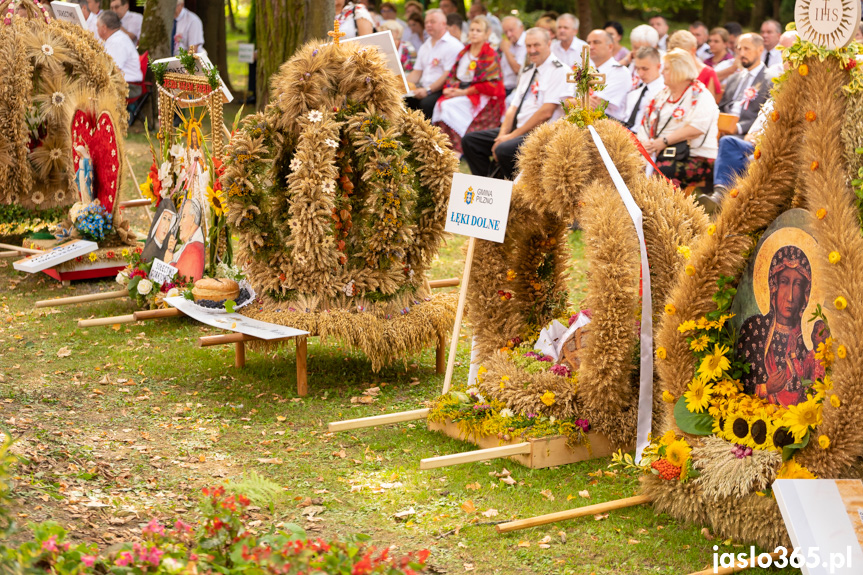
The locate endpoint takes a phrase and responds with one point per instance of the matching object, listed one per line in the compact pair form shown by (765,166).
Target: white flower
(165,176)
(296,164)
(315,116)
(472,391)
(331,143)
(506,412)
(145,286)
(60,195)
(47,50)
(122,278)
(37,198)
(349,288)
(177,151)
(329,187)
(58,98)
(173,292)
(55,153)
(438,149)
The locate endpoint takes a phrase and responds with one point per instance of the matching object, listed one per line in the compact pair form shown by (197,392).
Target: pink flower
(88,560)
(154,556)
(50,545)
(123,559)
(154,527)
(182,527)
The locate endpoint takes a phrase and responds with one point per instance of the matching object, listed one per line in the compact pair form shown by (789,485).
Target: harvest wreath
(736,442)
(338,197)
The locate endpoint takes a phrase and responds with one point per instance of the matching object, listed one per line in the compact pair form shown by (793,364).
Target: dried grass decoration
(50,69)
(519,286)
(808,158)
(338,196)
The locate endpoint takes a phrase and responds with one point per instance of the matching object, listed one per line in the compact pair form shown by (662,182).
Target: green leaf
(229,306)
(692,423)
(789,450)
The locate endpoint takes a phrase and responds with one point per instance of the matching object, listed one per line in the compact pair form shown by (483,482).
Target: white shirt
(120,48)
(703,52)
(190,31)
(618,82)
(412,38)
(132,23)
(438,59)
(653,89)
(746,79)
(572,55)
(722,66)
(549,86)
(703,116)
(349,15)
(91,25)
(519,51)
(775,57)
(662,46)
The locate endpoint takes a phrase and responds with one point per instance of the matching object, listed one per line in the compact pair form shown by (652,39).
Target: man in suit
(647,64)
(747,89)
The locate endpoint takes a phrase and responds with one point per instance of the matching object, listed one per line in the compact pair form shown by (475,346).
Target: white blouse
(348,16)
(464,73)
(696,108)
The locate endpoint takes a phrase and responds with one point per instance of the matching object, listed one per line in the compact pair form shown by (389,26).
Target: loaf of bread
(215,289)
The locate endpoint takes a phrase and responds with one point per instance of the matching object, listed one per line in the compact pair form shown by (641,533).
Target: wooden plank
(476,455)
(573,513)
(449,282)
(302,373)
(379,420)
(459,312)
(106,320)
(146,314)
(82,298)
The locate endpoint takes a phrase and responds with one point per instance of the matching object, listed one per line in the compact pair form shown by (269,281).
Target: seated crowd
(694,98)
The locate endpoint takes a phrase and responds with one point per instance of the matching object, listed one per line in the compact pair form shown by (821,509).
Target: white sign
(383,41)
(69,12)
(234,321)
(247,53)
(204,64)
(823,522)
(478,207)
(55,256)
(830,24)
(161,272)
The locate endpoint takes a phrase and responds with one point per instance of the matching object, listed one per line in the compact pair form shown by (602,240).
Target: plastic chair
(136,104)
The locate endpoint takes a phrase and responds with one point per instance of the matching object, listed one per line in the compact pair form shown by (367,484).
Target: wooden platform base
(544,452)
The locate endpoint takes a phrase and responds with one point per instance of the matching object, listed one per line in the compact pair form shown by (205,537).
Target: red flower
(138,250)
(110,255)
(851,64)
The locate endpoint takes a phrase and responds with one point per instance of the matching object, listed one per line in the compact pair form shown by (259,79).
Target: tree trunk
(320,15)
(232,20)
(280,27)
(710,14)
(585,19)
(759,10)
(156,28)
(729,14)
(212,16)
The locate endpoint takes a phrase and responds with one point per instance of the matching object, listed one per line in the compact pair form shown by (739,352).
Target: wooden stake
(240,354)
(459,312)
(729,570)
(302,374)
(136,203)
(106,320)
(224,339)
(439,357)
(449,282)
(82,298)
(20,249)
(379,420)
(157,314)
(10,254)
(477,455)
(573,513)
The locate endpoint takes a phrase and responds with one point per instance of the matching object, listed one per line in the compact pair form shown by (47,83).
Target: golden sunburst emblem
(827,23)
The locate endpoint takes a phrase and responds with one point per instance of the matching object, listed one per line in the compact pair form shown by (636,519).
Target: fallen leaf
(468,506)
(406,513)
(341,453)
(707,534)
(280,418)
(562,536)
(490,513)
(600,516)
(633,541)
(524,543)
(64,352)
(275,460)
(473,486)
(546,539)
(312,510)
(547,494)
(508,480)
(116,327)
(544,546)
(468,566)
(584,494)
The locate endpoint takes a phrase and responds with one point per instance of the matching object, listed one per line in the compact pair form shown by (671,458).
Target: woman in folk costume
(473,96)
(781,365)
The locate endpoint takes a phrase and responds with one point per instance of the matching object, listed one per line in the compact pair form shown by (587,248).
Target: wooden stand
(538,453)
(573,513)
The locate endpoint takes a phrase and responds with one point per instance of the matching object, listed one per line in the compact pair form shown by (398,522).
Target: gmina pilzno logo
(468,195)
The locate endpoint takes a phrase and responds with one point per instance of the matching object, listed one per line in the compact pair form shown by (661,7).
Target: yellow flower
(834,400)
(678,453)
(801,417)
(702,323)
(510,275)
(688,325)
(670,309)
(482,370)
(217,200)
(669,438)
(667,397)
(803,69)
(840,302)
(684,251)
(711,229)
(125,253)
(793,470)
(147,190)
(834,257)
(824,353)
(821,213)
(660,353)
(841,352)
(713,365)
(690,271)
(699,395)
(93,257)
(699,343)
(547,398)
(727,386)
(823,441)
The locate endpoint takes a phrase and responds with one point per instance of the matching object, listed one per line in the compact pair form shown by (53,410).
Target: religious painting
(778,297)
(186,250)
(163,227)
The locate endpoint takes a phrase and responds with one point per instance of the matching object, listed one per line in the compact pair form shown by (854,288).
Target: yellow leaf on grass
(64,352)
(584,493)
(547,494)
(116,327)
(473,486)
(524,544)
(468,506)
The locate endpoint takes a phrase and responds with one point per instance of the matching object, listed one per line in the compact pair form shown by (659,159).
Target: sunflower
(727,386)
(547,398)
(217,200)
(678,452)
(793,470)
(699,395)
(699,343)
(713,365)
(801,417)
(738,430)
(759,432)
(669,438)
(688,325)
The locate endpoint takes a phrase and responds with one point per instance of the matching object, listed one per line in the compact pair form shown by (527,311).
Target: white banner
(55,256)
(246,53)
(233,321)
(161,272)
(69,12)
(478,207)
(645,390)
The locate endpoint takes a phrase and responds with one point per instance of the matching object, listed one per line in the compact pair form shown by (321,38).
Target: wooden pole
(573,513)
(157,313)
(136,203)
(439,357)
(379,420)
(21,250)
(302,374)
(106,320)
(729,570)
(240,354)
(224,339)
(449,282)
(82,298)
(10,254)
(459,312)
(477,455)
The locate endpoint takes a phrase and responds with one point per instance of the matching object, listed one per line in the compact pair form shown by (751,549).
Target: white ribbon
(645,390)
